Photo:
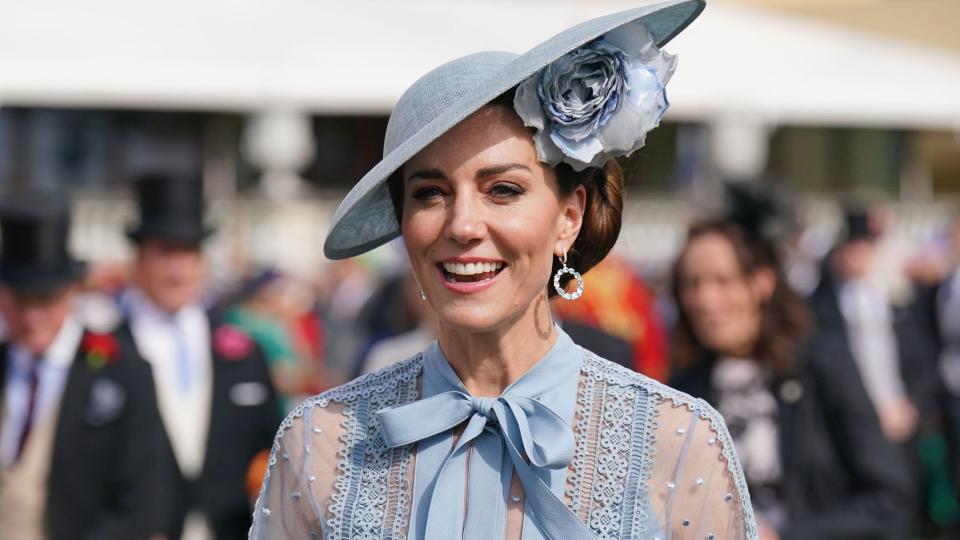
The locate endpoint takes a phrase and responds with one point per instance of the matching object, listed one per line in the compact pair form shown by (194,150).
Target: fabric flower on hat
(598,101)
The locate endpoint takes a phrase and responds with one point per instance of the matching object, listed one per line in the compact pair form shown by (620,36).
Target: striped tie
(34,375)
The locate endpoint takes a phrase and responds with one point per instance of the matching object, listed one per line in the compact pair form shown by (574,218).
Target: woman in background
(814,457)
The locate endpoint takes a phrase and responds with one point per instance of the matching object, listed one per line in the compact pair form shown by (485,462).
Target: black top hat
(763,211)
(858,225)
(33,256)
(171,208)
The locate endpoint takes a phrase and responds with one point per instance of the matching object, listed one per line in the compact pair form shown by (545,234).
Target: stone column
(280,142)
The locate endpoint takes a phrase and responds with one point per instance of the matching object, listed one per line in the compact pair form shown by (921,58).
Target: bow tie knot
(484,407)
(537,433)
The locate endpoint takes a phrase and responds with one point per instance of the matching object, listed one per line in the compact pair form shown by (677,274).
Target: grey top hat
(447,95)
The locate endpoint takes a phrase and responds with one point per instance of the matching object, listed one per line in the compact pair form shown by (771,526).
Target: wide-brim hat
(444,97)
(34,226)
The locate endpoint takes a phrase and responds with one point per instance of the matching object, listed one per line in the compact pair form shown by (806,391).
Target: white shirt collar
(59,354)
(138,304)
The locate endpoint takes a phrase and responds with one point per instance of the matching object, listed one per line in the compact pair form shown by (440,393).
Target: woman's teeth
(471,271)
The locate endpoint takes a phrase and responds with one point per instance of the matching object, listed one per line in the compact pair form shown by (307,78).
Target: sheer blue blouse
(576,448)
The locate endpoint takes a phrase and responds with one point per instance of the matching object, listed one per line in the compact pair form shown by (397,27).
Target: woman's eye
(426,193)
(506,191)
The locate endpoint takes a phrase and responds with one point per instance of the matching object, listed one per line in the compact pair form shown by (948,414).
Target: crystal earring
(567,270)
(423,295)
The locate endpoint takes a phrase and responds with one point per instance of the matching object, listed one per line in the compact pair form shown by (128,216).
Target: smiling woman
(497,129)
(503,427)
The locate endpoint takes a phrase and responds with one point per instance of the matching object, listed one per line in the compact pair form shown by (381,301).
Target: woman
(503,428)
(815,459)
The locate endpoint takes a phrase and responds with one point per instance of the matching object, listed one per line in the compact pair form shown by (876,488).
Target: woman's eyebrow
(500,169)
(428,174)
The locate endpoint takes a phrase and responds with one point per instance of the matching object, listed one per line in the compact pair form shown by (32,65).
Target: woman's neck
(488,362)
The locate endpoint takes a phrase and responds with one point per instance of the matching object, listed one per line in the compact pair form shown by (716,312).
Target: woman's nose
(465,221)
(703,297)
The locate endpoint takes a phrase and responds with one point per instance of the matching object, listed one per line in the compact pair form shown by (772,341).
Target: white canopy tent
(324,56)
(741,70)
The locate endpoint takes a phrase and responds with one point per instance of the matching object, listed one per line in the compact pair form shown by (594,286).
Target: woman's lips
(469,277)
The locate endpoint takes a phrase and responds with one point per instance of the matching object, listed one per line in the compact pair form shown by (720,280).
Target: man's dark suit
(103,480)
(914,354)
(238,432)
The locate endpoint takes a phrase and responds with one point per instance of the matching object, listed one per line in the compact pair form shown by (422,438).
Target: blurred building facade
(281,131)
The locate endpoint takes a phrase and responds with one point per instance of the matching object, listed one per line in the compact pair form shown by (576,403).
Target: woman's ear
(763,282)
(571,218)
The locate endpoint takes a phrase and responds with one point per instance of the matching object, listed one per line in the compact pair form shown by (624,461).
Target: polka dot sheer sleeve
(696,487)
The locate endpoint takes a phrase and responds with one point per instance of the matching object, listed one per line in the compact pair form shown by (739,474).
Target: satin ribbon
(534,438)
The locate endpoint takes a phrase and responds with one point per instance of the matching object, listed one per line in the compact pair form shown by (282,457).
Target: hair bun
(602,216)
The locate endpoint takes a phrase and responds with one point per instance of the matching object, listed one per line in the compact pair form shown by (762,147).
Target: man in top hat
(938,301)
(79,428)
(885,340)
(216,399)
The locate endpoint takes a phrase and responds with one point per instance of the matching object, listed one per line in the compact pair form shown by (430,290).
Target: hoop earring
(567,270)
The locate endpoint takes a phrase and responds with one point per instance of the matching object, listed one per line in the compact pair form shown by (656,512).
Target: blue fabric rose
(598,101)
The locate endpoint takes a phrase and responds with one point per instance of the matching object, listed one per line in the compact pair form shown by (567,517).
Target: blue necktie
(532,436)
(184,369)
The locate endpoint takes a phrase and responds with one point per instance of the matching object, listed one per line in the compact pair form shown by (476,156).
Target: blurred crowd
(128,384)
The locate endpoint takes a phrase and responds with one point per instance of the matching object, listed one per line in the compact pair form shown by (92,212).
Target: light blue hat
(450,93)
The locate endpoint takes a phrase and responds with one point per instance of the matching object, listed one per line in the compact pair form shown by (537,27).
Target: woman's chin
(470,319)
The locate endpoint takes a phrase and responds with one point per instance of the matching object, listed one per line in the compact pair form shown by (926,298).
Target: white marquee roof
(358,56)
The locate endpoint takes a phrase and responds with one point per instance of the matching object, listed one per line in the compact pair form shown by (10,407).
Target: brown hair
(603,211)
(785,317)
(602,215)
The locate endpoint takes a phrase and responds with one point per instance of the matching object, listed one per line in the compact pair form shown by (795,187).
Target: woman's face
(482,221)
(723,304)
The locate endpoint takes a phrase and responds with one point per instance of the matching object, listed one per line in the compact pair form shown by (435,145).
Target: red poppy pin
(231,343)
(99,350)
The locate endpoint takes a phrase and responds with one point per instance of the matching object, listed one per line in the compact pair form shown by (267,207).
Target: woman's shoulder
(669,406)
(612,373)
(385,385)
(680,432)
(377,381)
